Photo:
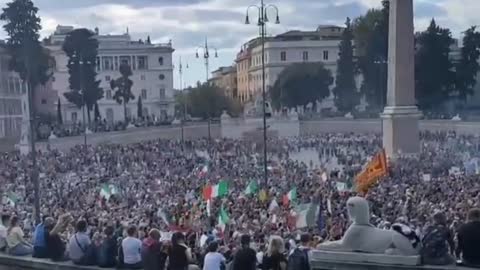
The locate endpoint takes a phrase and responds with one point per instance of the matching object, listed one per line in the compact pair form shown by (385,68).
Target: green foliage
(97,116)
(434,75)
(81,47)
(59,113)
(345,91)
(371,39)
(207,101)
(139,108)
(300,84)
(28,57)
(468,67)
(123,85)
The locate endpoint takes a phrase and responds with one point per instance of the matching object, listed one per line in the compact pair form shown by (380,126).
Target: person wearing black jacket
(245,258)
(107,253)
(469,239)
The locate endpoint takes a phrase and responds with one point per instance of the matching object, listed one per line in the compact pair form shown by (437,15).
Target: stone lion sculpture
(361,236)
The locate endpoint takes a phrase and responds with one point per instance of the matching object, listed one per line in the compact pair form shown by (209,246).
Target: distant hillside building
(225,78)
(152,75)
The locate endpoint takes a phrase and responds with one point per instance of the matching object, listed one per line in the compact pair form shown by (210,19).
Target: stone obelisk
(400,116)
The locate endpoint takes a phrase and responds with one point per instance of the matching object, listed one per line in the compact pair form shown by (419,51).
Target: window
(160,61)
(97,62)
(44,101)
(17,85)
(325,55)
(125,60)
(142,62)
(107,63)
(109,94)
(116,62)
(161,77)
(162,93)
(305,56)
(142,77)
(134,63)
(74,117)
(144,93)
(283,56)
(107,78)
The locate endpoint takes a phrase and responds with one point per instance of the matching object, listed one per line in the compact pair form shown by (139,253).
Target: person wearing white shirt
(213,260)
(132,247)
(3,231)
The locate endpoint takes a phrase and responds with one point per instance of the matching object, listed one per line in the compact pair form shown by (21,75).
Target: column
(400,117)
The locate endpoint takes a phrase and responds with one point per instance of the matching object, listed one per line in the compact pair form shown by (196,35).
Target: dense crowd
(146,198)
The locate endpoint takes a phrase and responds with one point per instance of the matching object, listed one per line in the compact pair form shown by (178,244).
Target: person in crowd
(245,258)
(80,248)
(469,239)
(275,259)
(17,245)
(5,220)
(132,248)
(180,255)
(438,246)
(39,241)
(214,260)
(298,259)
(107,253)
(153,257)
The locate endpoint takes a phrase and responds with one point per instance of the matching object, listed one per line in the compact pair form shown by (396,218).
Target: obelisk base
(401,131)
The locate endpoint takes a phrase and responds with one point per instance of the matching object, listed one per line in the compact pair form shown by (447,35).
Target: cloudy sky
(188,22)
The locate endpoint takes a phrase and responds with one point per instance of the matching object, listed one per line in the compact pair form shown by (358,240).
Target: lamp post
(262,23)
(206,56)
(180,72)
(80,61)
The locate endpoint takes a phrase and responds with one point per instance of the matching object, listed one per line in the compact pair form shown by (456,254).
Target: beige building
(226,79)
(281,51)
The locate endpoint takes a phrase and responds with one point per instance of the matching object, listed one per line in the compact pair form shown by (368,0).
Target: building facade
(152,77)
(225,78)
(11,90)
(321,45)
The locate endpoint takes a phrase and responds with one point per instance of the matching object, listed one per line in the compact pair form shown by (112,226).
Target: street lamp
(80,61)
(206,56)
(262,23)
(180,72)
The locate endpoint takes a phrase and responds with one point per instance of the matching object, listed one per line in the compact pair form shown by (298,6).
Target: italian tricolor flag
(210,192)
(290,196)
(223,219)
(251,188)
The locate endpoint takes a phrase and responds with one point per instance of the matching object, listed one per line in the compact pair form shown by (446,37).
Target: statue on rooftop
(361,236)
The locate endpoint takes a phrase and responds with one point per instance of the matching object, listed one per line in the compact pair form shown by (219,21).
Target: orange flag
(375,169)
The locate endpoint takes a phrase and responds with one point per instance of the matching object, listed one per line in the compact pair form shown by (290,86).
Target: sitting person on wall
(469,239)
(214,260)
(39,241)
(56,250)
(438,244)
(153,257)
(17,245)
(3,232)
(107,253)
(131,249)
(80,248)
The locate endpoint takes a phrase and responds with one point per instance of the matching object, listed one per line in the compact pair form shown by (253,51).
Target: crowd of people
(141,205)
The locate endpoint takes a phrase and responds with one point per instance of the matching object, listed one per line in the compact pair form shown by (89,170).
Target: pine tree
(96,113)
(123,94)
(59,113)
(345,91)
(81,48)
(468,67)
(434,75)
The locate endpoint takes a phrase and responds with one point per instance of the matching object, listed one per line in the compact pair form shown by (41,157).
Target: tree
(468,67)
(27,56)
(59,113)
(96,113)
(300,84)
(31,61)
(123,94)
(371,41)
(434,75)
(139,108)
(81,47)
(345,91)
(207,100)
